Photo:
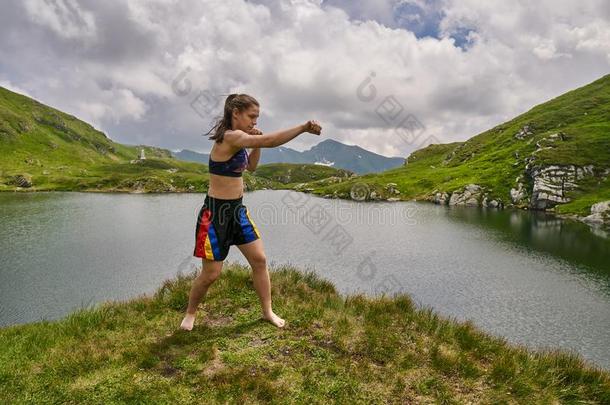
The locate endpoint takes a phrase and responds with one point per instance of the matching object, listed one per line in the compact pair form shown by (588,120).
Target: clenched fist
(313,127)
(255,131)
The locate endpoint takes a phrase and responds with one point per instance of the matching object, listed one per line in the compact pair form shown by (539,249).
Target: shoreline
(351,346)
(566,217)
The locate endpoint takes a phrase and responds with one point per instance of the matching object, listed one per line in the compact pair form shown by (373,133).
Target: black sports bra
(232,167)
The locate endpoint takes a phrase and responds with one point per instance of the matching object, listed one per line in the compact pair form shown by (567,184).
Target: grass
(495,158)
(339,349)
(287,173)
(59,152)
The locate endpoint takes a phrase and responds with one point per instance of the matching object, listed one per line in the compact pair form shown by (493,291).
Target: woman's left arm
(255,153)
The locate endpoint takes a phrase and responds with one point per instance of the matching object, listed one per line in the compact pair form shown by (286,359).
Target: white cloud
(64,17)
(302,60)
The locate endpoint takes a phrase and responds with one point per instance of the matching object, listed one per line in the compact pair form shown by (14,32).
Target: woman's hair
(240,101)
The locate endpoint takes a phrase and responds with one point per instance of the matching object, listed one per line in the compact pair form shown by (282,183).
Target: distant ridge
(328,153)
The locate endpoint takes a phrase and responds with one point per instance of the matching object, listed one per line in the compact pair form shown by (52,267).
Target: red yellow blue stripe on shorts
(248,228)
(231,225)
(206,239)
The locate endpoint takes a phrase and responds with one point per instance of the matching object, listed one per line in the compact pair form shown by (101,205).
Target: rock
(190,187)
(524,132)
(518,194)
(332,179)
(391,187)
(470,196)
(172,170)
(22,180)
(473,188)
(552,183)
(600,214)
(441,198)
(393,199)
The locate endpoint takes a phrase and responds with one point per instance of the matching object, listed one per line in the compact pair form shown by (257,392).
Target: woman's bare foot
(188,322)
(274,319)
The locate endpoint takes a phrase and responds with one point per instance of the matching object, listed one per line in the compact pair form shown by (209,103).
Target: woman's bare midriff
(225,187)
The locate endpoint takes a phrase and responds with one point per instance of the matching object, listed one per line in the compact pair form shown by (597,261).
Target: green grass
(581,116)
(287,173)
(340,349)
(60,152)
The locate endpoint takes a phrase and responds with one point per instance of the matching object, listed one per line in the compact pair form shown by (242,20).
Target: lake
(530,277)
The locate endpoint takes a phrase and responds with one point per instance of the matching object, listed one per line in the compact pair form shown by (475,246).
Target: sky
(390,76)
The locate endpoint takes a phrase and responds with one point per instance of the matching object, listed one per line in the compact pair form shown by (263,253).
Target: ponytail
(240,101)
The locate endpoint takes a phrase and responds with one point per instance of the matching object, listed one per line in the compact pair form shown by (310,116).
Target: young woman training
(223,220)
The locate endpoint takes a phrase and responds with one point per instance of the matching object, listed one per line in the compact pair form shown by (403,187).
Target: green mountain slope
(556,154)
(53,150)
(286,173)
(42,148)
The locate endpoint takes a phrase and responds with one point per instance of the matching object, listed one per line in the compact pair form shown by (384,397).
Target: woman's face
(245,120)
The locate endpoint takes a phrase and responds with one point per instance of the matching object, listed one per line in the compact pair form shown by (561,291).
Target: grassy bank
(335,348)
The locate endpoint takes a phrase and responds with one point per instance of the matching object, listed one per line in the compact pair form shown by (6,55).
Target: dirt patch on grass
(215,365)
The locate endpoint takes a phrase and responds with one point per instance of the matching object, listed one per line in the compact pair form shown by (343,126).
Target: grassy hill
(287,173)
(53,150)
(57,151)
(334,348)
(570,130)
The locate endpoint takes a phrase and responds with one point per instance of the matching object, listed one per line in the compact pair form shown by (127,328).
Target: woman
(223,220)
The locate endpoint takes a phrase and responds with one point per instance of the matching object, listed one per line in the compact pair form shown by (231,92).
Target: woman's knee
(210,271)
(258,261)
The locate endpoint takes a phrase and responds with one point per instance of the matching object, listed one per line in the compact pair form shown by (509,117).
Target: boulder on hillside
(552,183)
(471,196)
(441,198)
(524,132)
(518,194)
(600,214)
(22,180)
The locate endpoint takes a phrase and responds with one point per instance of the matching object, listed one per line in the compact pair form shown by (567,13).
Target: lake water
(526,276)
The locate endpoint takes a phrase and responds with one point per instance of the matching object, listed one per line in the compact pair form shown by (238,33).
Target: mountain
(350,157)
(42,148)
(191,156)
(555,157)
(327,153)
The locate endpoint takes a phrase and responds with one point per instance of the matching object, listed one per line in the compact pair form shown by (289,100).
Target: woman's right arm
(243,140)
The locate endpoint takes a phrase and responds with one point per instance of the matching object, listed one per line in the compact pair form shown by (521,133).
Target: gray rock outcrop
(524,132)
(552,183)
(471,196)
(600,214)
(441,198)
(22,180)
(517,195)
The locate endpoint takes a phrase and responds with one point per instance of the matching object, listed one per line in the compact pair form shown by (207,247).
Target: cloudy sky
(388,75)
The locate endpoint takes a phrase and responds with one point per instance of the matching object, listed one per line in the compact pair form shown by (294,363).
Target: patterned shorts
(220,224)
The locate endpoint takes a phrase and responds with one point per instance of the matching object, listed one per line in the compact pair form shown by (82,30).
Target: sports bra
(232,167)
